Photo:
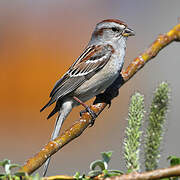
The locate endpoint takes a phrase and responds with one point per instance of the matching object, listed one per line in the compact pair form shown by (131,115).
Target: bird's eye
(115,29)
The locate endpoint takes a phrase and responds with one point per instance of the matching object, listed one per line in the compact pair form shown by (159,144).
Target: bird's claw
(92,113)
(82,112)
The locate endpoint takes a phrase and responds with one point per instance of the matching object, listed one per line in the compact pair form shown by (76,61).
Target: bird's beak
(128,32)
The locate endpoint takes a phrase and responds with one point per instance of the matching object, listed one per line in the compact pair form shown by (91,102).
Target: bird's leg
(88,109)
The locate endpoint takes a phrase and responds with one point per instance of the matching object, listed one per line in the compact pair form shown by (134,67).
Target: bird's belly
(99,82)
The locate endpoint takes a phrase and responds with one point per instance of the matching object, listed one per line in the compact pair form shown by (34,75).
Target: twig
(156,174)
(173,171)
(76,130)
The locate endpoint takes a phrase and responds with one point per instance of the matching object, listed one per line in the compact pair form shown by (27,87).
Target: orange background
(39,40)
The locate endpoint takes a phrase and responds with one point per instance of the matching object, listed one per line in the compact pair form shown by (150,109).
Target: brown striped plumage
(96,69)
(90,62)
(115,21)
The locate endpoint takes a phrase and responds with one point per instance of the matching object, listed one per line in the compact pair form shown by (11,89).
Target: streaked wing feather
(61,81)
(70,85)
(96,58)
(58,84)
(93,59)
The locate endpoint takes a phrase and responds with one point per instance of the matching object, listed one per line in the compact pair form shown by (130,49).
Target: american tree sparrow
(95,69)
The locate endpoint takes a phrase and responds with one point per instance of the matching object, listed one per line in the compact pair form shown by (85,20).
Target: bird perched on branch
(95,69)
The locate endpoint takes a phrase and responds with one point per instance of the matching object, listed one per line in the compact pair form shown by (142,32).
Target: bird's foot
(87,109)
(92,113)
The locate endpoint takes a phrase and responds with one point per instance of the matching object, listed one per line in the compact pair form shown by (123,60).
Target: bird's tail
(63,113)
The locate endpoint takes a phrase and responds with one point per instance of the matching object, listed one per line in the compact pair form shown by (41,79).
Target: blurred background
(39,40)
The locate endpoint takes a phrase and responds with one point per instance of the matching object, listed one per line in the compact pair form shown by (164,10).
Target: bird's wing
(93,59)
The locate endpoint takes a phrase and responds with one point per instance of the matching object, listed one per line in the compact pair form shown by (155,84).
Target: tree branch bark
(156,174)
(150,175)
(77,129)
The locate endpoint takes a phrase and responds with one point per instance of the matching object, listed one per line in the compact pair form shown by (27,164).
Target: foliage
(132,141)
(8,175)
(154,130)
(153,133)
(174,160)
(102,166)
(6,164)
(133,132)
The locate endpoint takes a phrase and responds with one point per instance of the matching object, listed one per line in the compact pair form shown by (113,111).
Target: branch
(150,175)
(156,174)
(77,129)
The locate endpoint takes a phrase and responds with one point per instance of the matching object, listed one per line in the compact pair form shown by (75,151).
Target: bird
(92,72)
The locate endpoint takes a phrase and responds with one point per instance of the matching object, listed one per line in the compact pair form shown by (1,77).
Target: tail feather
(48,104)
(56,109)
(55,132)
(65,109)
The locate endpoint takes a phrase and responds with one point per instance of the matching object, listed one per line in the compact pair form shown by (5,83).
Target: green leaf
(19,174)
(106,156)
(4,162)
(14,166)
(98,163)
(77,175)
(174,160)
(16,177)
(106,173)
(115,171)
(94,173)
(3,176)
(110,173)
(36,177)
(85,178)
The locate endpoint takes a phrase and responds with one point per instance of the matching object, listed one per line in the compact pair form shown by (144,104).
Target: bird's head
(111,30)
